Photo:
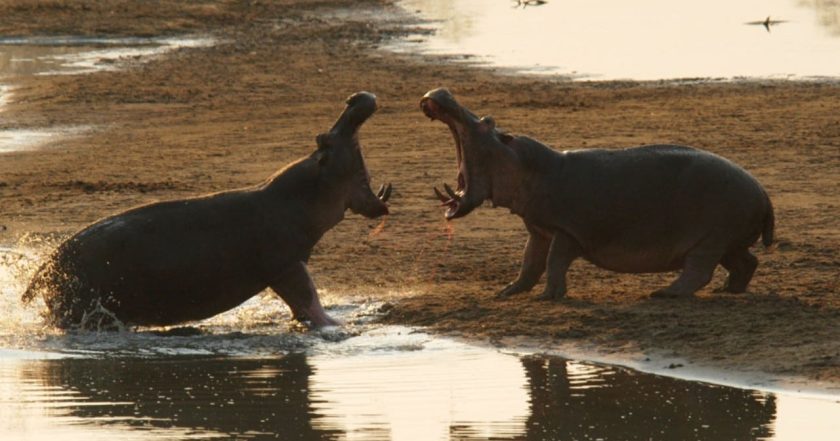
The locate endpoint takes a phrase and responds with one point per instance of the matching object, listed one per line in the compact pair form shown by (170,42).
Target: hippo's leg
(562,252)
(533,264)
(697,272)
(296,288)
(741,266)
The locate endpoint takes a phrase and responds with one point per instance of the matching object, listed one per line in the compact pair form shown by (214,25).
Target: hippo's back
(657,202)
(160,264)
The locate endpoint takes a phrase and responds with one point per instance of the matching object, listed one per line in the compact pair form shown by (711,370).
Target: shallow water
(639,40)
(251,376)
(38,56)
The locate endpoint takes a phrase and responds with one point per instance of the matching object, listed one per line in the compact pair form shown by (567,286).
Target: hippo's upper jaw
(360,107)
(467,131)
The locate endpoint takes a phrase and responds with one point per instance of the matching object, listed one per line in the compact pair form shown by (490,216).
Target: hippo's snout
(362,102)
(436,103)
(360,107)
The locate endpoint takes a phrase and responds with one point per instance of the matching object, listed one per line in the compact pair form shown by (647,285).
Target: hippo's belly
(167,302)
(635,261)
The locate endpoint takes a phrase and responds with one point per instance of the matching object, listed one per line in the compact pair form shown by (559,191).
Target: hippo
(184,260)
(646,209)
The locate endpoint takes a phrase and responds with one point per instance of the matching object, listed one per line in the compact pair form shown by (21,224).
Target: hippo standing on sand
(646,209)
(177,261)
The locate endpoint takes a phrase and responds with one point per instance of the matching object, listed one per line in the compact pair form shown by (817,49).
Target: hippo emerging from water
(646,209)
(184,260)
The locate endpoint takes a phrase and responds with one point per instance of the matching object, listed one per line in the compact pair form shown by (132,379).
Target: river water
(39,56)
(638,40)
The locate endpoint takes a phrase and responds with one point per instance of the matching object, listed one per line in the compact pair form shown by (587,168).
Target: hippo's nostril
(429,108)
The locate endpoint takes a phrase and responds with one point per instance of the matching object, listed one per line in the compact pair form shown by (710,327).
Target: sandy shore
(206,119)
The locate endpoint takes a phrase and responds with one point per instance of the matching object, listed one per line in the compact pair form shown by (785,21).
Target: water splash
(260,327)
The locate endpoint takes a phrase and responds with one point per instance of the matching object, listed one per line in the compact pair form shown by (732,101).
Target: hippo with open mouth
(645,209)
(184,260)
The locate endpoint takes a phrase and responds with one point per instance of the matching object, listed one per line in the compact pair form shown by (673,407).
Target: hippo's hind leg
(533,263)
(563,251)
(741,265)
(697,272)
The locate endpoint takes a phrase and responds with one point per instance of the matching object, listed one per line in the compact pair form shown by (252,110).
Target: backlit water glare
(42,56)
(638,40)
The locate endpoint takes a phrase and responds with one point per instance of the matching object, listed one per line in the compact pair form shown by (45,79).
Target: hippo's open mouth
(453,199)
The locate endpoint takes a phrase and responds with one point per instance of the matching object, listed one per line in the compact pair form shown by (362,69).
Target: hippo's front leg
(533,263)
(296,288)
(563,251)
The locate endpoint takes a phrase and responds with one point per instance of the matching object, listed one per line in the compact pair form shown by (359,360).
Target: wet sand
(208,119)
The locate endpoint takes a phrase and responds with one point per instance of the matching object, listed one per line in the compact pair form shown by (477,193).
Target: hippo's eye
(489,121)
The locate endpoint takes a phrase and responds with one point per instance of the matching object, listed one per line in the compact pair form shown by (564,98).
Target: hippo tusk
(451,193)
(440,196)
(445,201)
(384,192)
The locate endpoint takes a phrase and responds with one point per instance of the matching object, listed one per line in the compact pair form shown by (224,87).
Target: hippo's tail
(769,225)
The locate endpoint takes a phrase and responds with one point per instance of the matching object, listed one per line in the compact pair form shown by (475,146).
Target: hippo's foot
(731,288)
(100,319)
(741,267)
(514,288)
(552,295)
(666,293)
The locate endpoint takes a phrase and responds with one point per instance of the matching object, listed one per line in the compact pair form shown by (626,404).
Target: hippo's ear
(488,121)
(321,141)
(321,156)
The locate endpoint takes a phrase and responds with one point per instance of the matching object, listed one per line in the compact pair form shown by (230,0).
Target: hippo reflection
(576,401)
(277,398)
(268,398)
(190,259)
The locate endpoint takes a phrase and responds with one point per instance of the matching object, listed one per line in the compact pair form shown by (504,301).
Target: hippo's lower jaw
(457,202)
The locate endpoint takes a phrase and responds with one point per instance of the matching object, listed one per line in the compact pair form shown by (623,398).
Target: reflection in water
(828,13)
(642,39)
(409,395)
(422,394)
(247,398)
(21,57)
(75,55)
(578,401)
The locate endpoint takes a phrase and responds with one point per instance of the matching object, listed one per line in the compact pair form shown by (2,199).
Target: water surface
(72,55)
(640,40)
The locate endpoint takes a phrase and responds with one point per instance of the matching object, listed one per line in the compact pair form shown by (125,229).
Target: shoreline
(209,119)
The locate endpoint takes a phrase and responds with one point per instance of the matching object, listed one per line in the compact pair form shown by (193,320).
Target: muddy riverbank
(206,119)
